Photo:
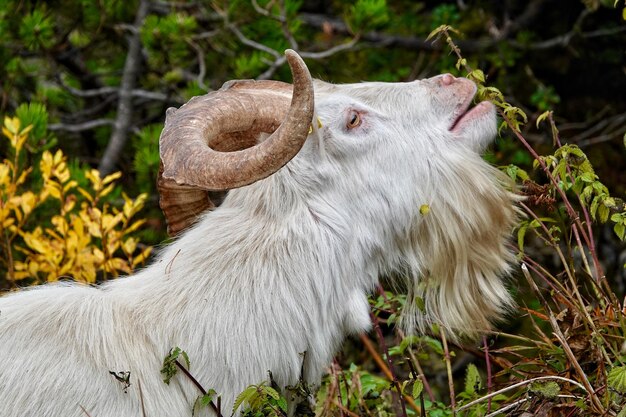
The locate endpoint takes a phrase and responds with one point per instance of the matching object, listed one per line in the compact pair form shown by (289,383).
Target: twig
(369,346)
(331,51)
(374,354)
(94,92)
(570,355)
(124,105)
(570,210)
(74,128)
(568,351)
(343,409)
(472,45)
(554,283)
(284,25)
(334,370)
(312,55)
(105,91)
(201,64)
(199,386)
(507,407)
(446,353)
(84,411)
(264,12)
(268,73)
(143,407)
(598,126)
(521,384)
(488,365)
(252,44)
(413,361)
(383,345)
(591,243)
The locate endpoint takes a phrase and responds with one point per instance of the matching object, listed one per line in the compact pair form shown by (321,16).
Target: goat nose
(447,79)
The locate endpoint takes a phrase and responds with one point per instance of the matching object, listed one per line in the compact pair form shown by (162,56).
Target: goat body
(277,276)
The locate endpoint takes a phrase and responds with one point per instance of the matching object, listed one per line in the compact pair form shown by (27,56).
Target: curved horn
(209,143)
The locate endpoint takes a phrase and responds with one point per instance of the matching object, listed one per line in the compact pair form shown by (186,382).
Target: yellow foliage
(85,238)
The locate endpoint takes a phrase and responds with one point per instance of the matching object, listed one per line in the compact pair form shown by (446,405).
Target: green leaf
(186,358)
(473,382)
(477,75)
(521,233)
(205,400)
(434,344)
(588,177)
(610,202)
(418,387)
(603,213)
(620,230)
(543,116)
(373,384)
(282,404)
(170,368)
(515,172)
(34,114)
(270,392)
(617,379)
(547,390)
(406,342)
(437,31)
(461,62)
(37,30)
(403,386)
(594,206)
(493,93)
(367,15)
(245,397)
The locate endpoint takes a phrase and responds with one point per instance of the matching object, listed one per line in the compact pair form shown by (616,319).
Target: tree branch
(252,44)
(74,128)
(332,51)
(320,21)
(124,106)
(105,91)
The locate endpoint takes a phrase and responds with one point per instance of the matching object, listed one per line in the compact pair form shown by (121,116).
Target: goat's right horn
(210,142)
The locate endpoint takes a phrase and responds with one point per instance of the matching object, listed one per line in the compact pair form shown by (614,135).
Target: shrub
(86,237)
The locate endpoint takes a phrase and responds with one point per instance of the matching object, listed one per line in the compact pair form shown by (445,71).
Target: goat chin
(276,277)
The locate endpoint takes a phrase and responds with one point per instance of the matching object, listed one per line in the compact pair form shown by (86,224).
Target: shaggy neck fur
(298,291)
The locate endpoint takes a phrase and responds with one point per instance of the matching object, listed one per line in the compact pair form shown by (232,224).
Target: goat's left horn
(209,142)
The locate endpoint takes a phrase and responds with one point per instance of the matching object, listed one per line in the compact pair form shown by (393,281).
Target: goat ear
(181,204)
(323,87)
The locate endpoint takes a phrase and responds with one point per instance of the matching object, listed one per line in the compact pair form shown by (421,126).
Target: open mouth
(469,114)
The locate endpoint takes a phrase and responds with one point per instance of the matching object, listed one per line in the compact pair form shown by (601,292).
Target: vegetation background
(84,86)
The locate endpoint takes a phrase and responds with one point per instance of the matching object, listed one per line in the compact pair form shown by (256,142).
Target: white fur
(282,267)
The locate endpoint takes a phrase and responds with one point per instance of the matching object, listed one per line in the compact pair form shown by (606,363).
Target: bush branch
(124,106)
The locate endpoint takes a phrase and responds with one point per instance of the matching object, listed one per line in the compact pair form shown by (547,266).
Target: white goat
(285,264)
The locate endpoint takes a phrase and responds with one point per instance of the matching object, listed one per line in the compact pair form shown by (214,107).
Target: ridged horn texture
(210,143)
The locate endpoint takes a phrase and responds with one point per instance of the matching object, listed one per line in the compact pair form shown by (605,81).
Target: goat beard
(457,257)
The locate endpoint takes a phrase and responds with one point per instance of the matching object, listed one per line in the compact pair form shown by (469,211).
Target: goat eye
(355,120)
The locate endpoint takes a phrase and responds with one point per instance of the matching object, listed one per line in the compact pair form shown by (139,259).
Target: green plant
(578,322)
